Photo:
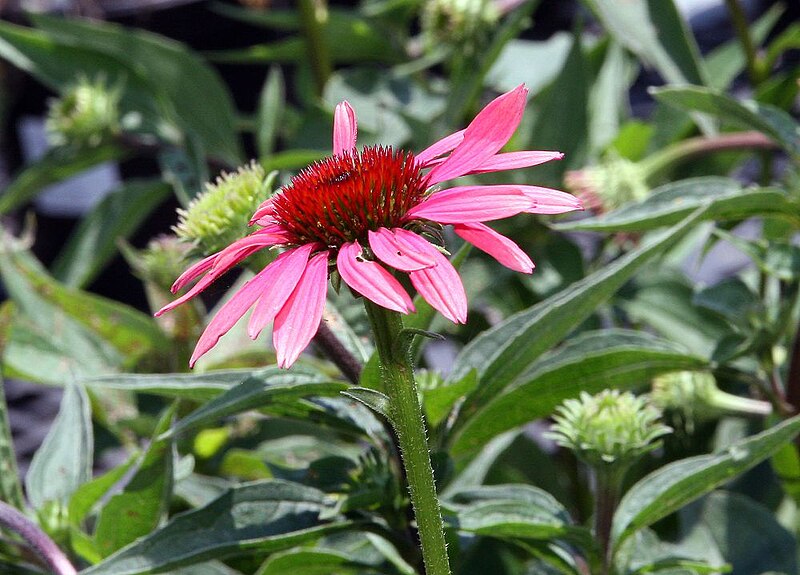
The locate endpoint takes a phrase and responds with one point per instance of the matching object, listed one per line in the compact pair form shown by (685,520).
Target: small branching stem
(37,540)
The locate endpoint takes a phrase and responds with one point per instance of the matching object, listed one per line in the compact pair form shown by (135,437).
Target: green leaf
(769,120)
(530,62)
(674,485)
(671,203)
(10,480)
(196,94)
(476,470)
(438,399)
(314,562)
(593,361)
(194,386)
(375,400)
(91,492)
(64,461)
(77,322)
(56,165)
(502,353)
(257,392)
(257,517)
(270,111)
(144,502)
(608,98)
(511,512)
(654,31)
(93,244)
(757,545)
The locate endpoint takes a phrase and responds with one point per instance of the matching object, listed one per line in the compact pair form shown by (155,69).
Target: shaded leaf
(676,484)
(262,517)
(64,461)
(616,359)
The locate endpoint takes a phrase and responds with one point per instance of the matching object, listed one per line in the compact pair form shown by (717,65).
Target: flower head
(608,428)
(87,114)
(369,214)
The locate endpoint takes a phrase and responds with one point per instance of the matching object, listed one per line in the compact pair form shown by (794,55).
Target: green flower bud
(160,262)
(611,184)
(610,428)
(219,216)
(695,397)
(87,114)
(460,23)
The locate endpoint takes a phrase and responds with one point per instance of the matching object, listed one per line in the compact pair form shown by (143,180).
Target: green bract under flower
(220,215)
(608,428)
(87,114)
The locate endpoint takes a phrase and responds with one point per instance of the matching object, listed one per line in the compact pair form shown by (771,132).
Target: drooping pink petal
(427,156)
(496,245)
(510,161)
(485,135)
(231,312)
(284,274)
(441,287)
(221,262)
(298,320)
(344,128)
(193,272)
(402,249)
(472,204)
(549,201)
(371,280)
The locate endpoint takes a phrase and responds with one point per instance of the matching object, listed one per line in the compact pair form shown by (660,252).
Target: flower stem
(742,27)
(314,16)
(407,420)
(37,540)
(609,487)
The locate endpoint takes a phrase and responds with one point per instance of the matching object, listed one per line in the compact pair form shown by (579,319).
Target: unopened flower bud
(609,185)
(220,215)
(696,397)
(160,262)
(87,114)
(610,428)
(459,23)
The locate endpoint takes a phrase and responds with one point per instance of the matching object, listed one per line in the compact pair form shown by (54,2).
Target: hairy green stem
(314,16)
(407,420)
(742,27)
(13,520)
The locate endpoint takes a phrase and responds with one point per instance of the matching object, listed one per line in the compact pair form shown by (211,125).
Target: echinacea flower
(368,214)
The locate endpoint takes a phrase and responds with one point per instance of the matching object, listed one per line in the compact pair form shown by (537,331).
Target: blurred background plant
(142,136)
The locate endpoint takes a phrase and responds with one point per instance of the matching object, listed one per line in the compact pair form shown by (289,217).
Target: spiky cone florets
(86,115)
(221,214)
(610,428)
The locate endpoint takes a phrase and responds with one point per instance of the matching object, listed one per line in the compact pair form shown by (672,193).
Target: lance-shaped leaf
(254,393)
(262,516)
(674,485)
(64,461)
(671,203)
(502,353)
(315,562)
(594,361)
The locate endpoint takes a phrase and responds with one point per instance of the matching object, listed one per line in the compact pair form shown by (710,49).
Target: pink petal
(549,201)
(231,312)
(426,157)
(516,160)
(496,245)
(486,134)
(298,320)
(264,210)
(371,280)
(472,204)
(284,274)
(401,249)
(441,287)
(344,128)
(193,272)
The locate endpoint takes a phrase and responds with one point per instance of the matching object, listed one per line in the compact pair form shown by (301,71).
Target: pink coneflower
(369,214)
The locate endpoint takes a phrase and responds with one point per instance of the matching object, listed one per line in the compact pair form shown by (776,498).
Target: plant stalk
(314,17)
(407,420)
(742,27)
(37,540)
(609,488)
